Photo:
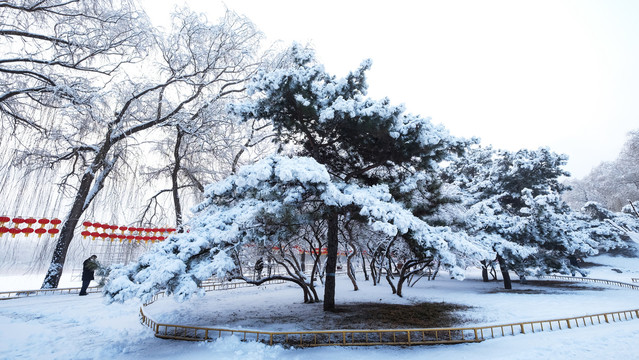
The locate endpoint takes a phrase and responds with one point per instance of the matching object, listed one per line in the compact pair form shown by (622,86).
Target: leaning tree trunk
(331,262)
(349,267)
(86,193)
(504,272)
(175,186)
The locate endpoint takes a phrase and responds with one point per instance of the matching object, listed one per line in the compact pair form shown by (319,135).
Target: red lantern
(53,231)
(103,235)
(27,231)
(43,223)
(85,234)
(112,237)
(113,228)
(146,238)
(162,230)
(4,219)
(14,232)
(121,237)
(130,238)
(138,238)
(94,235)
(55,223)
(123,229)
(3,230)
(40,231)
(17,221)
(87,224)
(30,221)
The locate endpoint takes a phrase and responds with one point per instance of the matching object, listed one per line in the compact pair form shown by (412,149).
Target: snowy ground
(73,327)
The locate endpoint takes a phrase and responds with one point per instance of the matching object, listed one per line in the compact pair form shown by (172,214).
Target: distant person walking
(259,266)
(88,267)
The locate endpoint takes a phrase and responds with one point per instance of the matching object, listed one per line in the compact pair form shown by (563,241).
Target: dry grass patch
(394,316)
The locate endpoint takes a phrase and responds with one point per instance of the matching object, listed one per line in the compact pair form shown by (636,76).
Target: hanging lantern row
(27,226)
(27,231)
(109,229)
(120,237)
(29,222)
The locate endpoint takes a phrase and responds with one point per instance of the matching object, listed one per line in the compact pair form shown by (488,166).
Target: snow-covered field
(73,327)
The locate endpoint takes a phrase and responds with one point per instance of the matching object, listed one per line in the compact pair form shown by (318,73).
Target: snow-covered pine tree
(624,223)
(359,140)
(352,148)
(515,208)
(263,204)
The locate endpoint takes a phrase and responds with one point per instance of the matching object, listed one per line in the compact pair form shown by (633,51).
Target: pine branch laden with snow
(331,120)
(264,202)
(623,223)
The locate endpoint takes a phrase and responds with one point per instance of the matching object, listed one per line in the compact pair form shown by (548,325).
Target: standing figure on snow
(88,267)
(259,266)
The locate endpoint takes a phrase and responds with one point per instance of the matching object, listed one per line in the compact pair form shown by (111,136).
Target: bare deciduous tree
(105,78)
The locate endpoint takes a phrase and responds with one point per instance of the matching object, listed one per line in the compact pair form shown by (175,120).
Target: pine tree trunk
(331,262)
(303,262)
(504,273)
(364,268)
(349,268)
(484,271)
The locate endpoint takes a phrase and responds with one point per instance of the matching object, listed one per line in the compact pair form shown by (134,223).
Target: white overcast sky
(517,74)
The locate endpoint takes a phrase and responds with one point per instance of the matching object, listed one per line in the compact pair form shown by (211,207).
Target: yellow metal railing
(206,285)
(213,286)
(394,336)
(384,337)
(5,295)
(584,279)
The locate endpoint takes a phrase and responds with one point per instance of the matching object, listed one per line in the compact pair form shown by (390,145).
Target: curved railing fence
(383,337)
(585,279)
(394,336)
(6,295)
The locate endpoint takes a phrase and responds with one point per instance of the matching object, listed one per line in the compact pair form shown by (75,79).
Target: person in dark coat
(88,267)
(259,266)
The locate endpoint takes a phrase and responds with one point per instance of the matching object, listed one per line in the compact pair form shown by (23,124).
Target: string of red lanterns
(129,233)
(29,228)
(40,226)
